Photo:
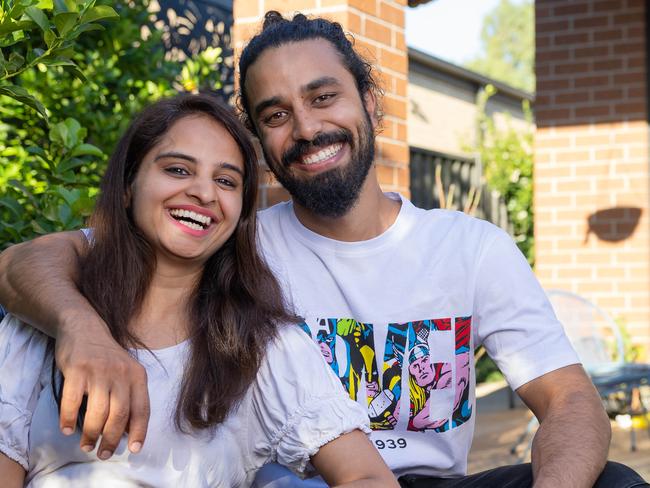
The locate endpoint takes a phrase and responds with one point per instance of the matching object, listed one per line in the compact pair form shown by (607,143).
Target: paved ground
(498,427)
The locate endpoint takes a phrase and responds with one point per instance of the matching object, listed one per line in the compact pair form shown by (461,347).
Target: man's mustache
(300,148)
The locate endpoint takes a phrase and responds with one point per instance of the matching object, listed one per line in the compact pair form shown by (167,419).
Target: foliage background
(103,73)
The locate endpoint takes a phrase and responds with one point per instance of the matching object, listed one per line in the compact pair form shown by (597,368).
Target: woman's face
(187,194)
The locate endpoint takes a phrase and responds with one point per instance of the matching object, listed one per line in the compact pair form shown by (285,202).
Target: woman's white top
(295,406)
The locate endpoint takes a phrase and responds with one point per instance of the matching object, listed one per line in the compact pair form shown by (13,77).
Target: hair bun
(271,18)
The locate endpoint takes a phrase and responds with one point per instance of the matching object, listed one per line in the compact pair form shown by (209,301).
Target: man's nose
(305,125)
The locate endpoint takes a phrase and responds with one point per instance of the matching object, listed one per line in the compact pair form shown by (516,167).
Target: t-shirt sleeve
(298,403)
(22,357)
(514,319)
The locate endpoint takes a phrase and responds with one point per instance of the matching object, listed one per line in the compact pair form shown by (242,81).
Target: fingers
(139,412)
(95,418)
(74,389)
(118,416)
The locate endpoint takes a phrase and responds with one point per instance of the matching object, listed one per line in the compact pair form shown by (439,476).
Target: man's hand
(38,285)
(116,389)
(571,445)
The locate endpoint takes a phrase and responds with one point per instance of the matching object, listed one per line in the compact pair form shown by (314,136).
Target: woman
(173,268)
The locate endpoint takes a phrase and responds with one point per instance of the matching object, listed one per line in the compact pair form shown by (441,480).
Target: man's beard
(331,193)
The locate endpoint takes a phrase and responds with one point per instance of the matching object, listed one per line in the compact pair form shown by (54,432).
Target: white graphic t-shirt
(398,318)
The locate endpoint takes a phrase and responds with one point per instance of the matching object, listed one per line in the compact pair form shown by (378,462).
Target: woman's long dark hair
(237,304)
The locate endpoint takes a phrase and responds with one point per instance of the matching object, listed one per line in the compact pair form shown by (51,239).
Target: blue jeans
(615,475)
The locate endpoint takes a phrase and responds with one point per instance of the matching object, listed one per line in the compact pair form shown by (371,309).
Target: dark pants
(615,475)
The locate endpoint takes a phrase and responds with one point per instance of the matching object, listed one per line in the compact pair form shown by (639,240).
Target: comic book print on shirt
(349,348)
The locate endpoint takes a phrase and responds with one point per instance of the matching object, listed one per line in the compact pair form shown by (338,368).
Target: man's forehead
(300,63)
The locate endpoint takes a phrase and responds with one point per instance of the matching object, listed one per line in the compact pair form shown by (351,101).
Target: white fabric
(392,315)
(295,406)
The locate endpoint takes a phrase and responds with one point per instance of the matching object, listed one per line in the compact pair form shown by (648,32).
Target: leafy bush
(71,78)
(507,157)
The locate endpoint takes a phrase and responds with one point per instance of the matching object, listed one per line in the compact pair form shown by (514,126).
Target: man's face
(316,130)
(422,371)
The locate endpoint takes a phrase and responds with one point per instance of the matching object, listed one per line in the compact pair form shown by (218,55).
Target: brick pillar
(592,195)
(378,29)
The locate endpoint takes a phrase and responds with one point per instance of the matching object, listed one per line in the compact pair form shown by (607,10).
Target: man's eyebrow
(264,104)
(186,157)
(320,82)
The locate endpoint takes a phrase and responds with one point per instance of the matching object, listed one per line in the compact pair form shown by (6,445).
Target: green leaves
(20,94)
(65,21)
(37,15)
(98,13)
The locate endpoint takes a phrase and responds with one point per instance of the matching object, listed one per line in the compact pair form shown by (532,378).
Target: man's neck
(371,216)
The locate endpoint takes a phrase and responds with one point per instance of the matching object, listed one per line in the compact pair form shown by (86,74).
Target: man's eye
(324,98)
(275,118)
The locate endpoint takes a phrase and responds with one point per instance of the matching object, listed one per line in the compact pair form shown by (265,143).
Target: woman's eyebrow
(174,154)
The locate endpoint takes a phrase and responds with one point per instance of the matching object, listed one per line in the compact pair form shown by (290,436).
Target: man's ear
(370,103)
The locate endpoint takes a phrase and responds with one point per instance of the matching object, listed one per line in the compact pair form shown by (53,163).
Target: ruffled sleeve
(22,357)
(298,403)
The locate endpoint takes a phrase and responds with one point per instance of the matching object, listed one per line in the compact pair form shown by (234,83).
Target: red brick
(571,9)
(553,55)
(542,41)
(591,52)
(246,8)
(638,77)
(607,5)
(635,31)
(571,68)
(591,81)
(593,111)
(551,25)
(367,6)
(608,64)
(636,92)
(627,47)
(552,114)
(391,14)
(354,23)
(276,194)
(608,94)
(395,62)
(628,18)
(573,38)
(545,84)
(590,22)
(607,35)
(637,109)
(289,7)
(635,62)
(386,174)
(377,32)
(571,98)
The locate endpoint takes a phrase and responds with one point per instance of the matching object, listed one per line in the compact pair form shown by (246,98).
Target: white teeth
(326,153)
(188,214)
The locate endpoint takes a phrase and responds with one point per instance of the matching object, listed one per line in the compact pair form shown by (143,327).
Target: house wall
(378,30)
(442,111)
(592,195)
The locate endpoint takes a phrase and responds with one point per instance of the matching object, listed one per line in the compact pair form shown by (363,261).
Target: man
(374,278)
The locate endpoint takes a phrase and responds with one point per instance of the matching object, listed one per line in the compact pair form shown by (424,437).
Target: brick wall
(592,195)
(378,30)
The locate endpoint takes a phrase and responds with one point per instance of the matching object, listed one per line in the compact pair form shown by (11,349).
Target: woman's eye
(226,182)
(176,170)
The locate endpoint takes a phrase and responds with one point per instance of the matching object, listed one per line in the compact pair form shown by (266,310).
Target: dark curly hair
(277,31)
